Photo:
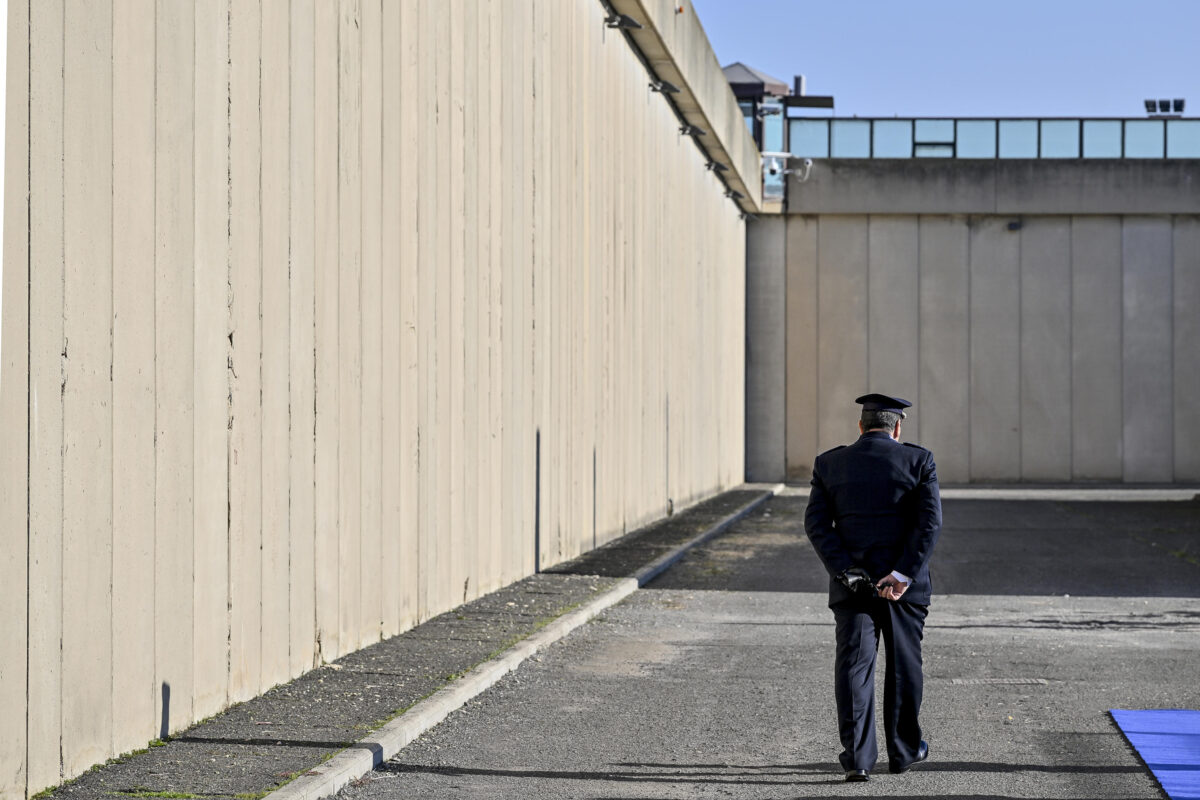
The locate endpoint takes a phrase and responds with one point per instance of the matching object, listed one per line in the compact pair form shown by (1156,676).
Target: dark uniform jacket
(875,504)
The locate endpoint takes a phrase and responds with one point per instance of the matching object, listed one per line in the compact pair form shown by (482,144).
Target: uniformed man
(873,517)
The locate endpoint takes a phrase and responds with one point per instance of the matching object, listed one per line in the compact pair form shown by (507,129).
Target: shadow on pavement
(930,766)
(746,777)
(740,775)
(987,547)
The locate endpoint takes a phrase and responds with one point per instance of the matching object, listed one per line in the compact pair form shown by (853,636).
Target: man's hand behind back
(891,588)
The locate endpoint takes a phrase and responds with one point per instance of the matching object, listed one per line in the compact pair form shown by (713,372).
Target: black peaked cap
(881,402)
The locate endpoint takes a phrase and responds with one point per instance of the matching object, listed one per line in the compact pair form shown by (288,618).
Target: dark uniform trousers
(860,623)
(875,504)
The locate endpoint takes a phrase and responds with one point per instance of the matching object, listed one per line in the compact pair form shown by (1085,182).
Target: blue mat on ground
(1168,740)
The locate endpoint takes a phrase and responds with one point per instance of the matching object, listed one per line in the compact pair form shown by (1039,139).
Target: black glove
(857,580)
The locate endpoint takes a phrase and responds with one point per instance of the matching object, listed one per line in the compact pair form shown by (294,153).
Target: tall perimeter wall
(321,318)
(1043,316)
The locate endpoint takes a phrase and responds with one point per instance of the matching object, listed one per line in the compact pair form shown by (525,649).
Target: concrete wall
(996,186)
(1036,348)
(766,344)
(321,318)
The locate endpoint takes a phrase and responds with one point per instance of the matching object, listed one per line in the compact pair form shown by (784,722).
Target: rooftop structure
(992,138)
(764,100)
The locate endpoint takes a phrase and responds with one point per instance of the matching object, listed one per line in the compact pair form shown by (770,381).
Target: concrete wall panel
(530,450)
(452,400)
(46,277)
(439,235)
(893,314)
(427,181)
(1096,426)
(350,350)
(274,127)
(801,349)
(392,589)
(995,404)
(945,345)
(1045,349)
(475,288)
(87,392)
(547,339)
(842,273)
(732,284)
(245,354)
(1146,244)
(409,353)
(301,348)
(371,559)
(766,252)
(174,338)
(210,436)
(1186,329)
(488,534)
(133,377)
(325,331)
(15,411)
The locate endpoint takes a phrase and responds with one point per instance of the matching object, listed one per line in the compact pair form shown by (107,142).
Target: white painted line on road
(999,682)
(363,756)
(1093,495)
(1122,495)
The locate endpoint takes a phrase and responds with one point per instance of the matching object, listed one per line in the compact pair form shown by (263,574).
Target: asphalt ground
(716,679)
(294,729)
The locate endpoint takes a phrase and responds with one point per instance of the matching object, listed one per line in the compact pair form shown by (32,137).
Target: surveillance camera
(805,171)
(773,166)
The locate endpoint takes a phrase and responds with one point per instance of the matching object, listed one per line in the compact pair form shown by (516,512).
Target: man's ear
(860,427)
(896,431)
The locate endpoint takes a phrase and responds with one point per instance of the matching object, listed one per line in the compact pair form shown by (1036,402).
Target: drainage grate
(998,681)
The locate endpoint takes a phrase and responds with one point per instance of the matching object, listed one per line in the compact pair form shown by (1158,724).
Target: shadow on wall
(164,728)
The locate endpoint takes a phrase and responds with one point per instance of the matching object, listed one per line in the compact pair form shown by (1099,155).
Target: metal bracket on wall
(627,24)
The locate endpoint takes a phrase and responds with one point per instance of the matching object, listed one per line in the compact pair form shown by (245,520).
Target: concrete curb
(360,758)
(664,562)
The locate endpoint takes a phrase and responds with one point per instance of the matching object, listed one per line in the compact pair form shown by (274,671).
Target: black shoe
(922,754)
(857,776)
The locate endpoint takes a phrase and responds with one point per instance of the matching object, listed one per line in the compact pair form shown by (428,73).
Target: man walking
(873,517)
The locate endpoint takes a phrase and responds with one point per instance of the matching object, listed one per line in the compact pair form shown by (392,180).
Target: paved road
(715,681)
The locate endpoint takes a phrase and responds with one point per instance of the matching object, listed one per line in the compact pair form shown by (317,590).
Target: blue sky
(969,57)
